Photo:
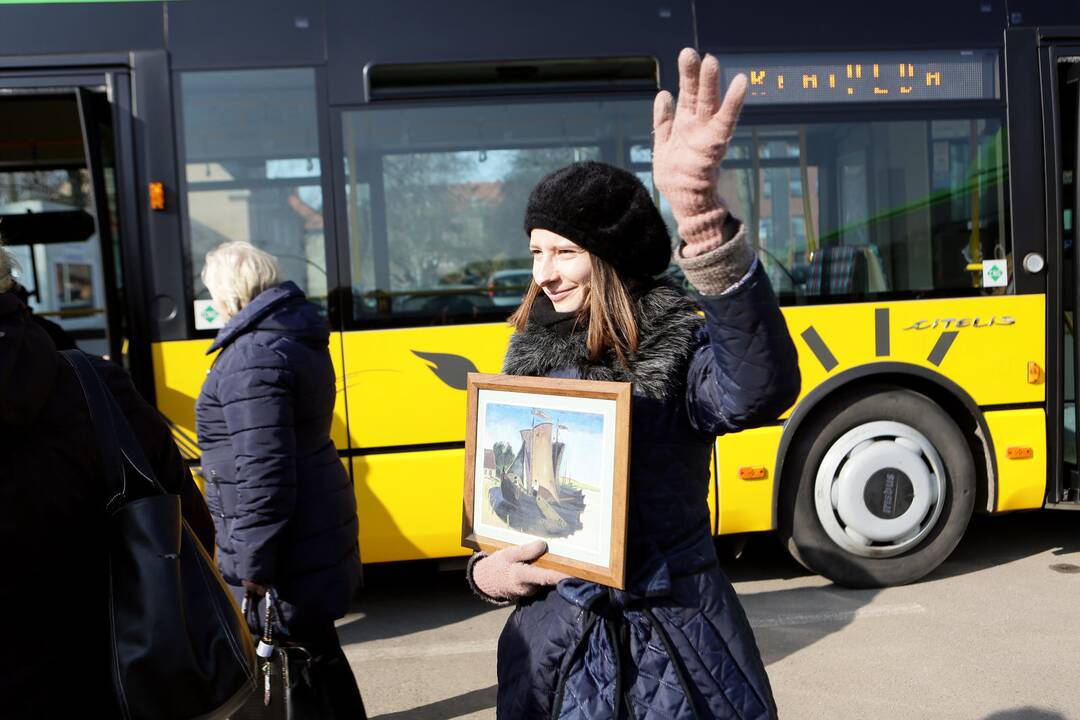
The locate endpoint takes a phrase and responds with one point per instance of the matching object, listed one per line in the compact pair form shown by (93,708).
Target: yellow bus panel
(409,504)
(990,361)
(712,499)
(1021,482)
(746,505)
(180,367)
(406,387)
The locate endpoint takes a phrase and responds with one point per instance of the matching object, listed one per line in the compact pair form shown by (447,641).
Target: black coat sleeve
(156,440)
(747,373)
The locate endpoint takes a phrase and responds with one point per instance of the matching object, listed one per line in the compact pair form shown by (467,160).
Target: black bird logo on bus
(451,369)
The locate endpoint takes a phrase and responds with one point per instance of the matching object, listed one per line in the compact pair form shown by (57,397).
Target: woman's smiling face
(561,268)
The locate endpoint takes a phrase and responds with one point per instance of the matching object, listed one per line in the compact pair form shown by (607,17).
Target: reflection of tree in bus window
(436,194)
(450,214)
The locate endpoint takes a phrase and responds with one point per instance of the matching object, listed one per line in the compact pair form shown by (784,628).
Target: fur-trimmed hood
(668,331)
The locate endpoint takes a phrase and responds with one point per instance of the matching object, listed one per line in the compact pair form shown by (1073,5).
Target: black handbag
(289,685)
(180,647)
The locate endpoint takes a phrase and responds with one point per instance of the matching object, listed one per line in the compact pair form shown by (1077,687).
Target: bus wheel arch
(839,415)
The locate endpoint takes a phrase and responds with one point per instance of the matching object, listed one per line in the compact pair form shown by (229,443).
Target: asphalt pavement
(993,634)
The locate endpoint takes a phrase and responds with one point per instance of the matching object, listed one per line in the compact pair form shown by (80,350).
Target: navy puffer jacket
(282,502)
(676,644)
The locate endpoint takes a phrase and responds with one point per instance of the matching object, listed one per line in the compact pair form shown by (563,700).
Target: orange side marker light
(1035,373)
(157,196)
(755,472)
(1020,453)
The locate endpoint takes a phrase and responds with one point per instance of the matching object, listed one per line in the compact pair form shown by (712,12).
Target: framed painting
(548,458)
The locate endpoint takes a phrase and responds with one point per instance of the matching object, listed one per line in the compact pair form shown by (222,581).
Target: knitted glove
(507,574)
(689,142)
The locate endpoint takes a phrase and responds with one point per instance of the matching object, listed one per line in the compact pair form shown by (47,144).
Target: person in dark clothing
(57,334)
(53,520)
(676,643)
(282,502)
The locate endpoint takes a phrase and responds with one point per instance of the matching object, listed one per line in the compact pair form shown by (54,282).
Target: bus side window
(252,170)
(436,197)
(886,208)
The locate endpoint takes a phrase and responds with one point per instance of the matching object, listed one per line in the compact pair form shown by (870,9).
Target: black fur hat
(605,210)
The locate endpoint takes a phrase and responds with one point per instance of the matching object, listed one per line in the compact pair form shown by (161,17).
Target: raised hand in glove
(690,140)
(508,574)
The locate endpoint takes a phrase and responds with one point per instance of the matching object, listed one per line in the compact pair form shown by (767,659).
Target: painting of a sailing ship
(548,458)
(546,467)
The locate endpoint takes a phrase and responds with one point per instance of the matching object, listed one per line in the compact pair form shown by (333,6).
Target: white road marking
(837,615)
(362,654)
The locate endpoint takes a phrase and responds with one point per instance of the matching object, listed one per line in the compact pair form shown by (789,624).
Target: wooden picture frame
(566,483)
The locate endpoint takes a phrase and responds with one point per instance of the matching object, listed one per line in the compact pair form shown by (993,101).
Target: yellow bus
(911,194)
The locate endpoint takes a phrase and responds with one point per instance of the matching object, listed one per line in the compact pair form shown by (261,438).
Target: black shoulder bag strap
(101,418)
(119,449)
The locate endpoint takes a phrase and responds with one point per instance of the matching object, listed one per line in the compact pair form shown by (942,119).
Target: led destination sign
(893,76)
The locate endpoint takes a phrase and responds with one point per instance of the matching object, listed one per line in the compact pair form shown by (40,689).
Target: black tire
(800,528)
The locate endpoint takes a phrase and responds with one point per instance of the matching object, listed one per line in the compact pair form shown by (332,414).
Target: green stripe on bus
(73,2)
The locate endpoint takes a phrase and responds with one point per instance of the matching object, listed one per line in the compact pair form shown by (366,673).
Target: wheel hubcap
(880,489)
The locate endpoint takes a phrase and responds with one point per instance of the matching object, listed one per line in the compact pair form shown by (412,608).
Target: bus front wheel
(882,492)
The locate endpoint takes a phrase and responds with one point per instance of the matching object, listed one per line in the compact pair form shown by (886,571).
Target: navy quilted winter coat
(281,500)
(676,644)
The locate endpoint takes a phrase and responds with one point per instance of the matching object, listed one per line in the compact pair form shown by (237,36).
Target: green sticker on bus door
(995,273)
(207,316)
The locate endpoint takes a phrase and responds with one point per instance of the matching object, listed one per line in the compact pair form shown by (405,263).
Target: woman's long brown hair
(608,312)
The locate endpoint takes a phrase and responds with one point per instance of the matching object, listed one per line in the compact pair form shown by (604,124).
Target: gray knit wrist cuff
(477,557)
(714,271)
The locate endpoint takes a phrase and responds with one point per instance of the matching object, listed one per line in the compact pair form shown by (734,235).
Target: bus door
(59,209)
(1064,203)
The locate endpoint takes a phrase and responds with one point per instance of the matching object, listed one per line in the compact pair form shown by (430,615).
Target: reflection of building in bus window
(74,285)
(661,202)
(287,222)
(798,231)
(920,202)
(313,242)
(765,231)
(253,173)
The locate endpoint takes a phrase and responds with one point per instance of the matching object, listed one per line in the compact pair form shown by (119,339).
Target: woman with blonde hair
(676,643)
(282,502)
